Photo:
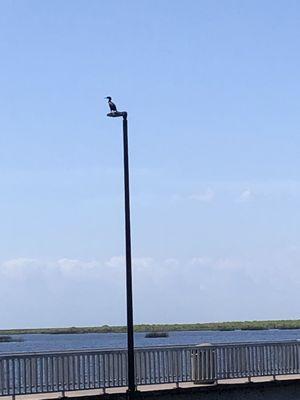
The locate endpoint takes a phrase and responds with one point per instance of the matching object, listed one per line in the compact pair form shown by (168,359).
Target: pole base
(131,394)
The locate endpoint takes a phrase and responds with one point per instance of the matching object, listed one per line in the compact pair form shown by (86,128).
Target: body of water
(46,342)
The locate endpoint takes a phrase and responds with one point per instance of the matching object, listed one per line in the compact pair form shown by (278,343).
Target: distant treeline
(4,339)
(212,326)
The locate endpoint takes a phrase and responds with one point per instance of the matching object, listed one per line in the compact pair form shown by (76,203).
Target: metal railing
(245,360)
(257,359)
(29,373)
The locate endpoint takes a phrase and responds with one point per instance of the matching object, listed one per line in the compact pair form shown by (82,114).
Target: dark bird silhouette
(112,105)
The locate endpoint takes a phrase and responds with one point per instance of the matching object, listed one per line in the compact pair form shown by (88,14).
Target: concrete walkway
(149,388)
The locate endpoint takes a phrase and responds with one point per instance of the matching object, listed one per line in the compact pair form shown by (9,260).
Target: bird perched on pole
(112,105)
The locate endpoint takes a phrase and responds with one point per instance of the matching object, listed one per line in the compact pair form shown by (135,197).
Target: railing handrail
(257,343)
(91,351)
(169,347)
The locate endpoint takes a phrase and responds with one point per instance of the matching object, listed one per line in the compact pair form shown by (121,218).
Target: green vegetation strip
(212,326)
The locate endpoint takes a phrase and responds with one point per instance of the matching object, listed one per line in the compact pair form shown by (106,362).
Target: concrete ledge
(232,389)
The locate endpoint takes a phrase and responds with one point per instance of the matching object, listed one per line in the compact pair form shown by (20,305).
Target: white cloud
(171,262)
(245,196)
(215,263)
(227,263)
(116,262)
(138,262)
(19,263)
(201,261)
(142,262)
(206,196)
(18,267)
(71,266)
(88,292)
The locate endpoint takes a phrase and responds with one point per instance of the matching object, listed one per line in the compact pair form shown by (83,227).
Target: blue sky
(212,92)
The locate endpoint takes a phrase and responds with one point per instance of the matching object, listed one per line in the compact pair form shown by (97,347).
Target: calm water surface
(44,342)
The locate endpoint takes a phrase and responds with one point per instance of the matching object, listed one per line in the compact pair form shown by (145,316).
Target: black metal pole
(130,336)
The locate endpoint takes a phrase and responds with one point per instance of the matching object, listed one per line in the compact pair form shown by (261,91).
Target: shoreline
(144,328)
